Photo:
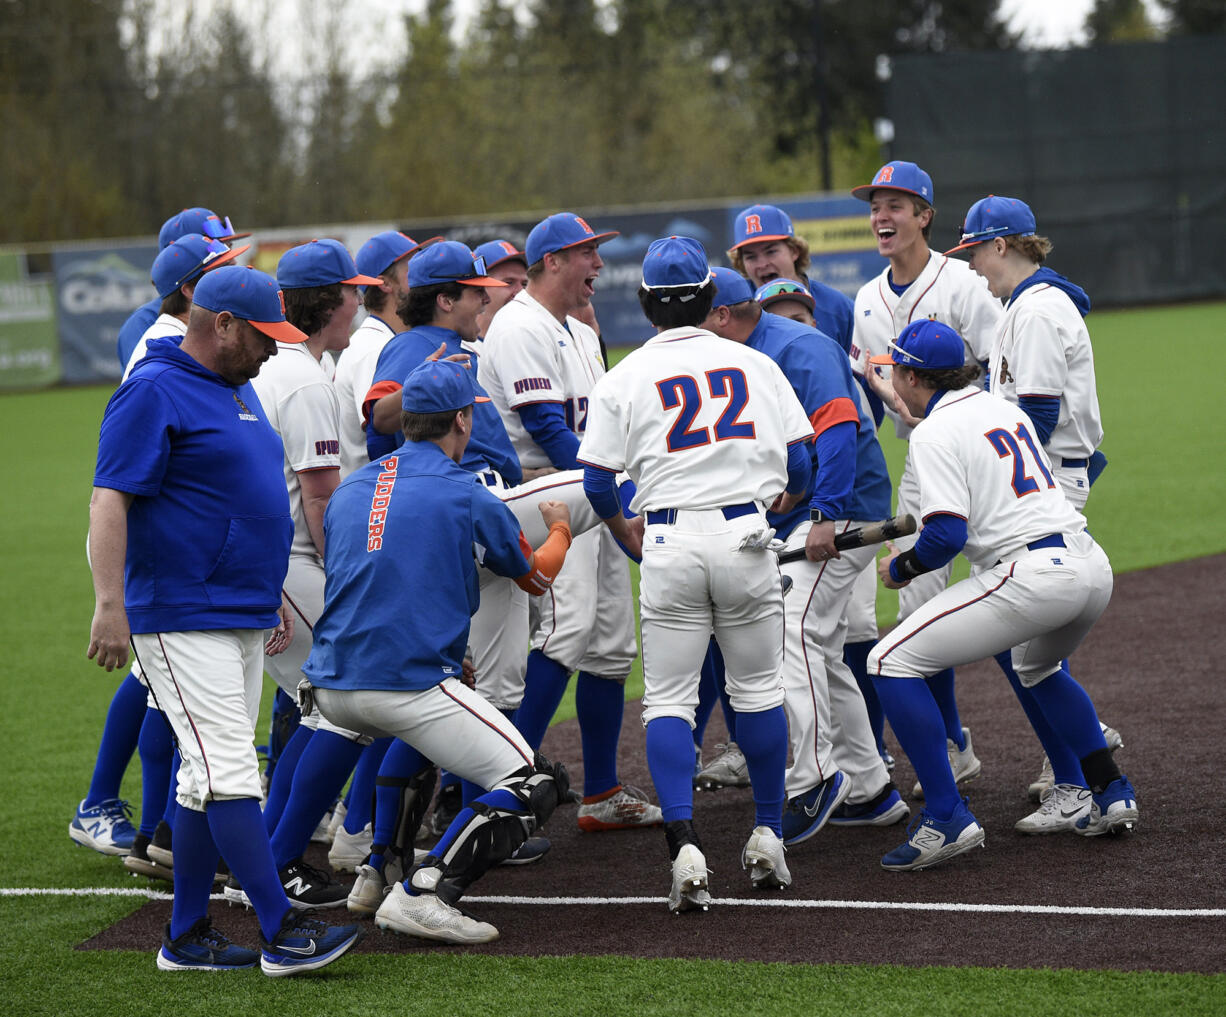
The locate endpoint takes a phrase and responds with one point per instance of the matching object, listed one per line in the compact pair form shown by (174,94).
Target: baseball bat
(874,533)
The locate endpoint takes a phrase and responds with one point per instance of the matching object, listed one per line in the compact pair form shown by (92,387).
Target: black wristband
(907,566)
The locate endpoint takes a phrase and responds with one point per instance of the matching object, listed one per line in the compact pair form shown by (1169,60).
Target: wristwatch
(818,516)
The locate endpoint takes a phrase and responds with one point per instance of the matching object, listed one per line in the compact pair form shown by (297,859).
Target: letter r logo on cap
(281,297)
(885,176)
(586,228)
(753,224)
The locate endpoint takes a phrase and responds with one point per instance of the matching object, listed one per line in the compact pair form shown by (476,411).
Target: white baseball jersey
(354,373)
(946,290)
(698,422)
(298,396)
(1043,349)
(166,325)
(529,357)
(975,456)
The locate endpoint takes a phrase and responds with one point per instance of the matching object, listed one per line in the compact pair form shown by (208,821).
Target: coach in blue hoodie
(189,536)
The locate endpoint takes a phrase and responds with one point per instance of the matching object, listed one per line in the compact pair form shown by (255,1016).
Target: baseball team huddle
(421,529)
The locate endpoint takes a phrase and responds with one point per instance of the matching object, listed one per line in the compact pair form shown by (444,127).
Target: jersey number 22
(683,393)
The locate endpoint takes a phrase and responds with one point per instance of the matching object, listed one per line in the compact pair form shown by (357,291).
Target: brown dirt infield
(1153,671)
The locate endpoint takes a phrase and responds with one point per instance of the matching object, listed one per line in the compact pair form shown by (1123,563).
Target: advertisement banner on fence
(96,290)
(29,349)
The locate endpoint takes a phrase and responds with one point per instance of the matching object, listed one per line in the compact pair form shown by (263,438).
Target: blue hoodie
(209,528)
(1045,276)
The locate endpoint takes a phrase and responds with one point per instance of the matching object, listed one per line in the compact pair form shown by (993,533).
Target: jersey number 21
(684,393)
(1006,445)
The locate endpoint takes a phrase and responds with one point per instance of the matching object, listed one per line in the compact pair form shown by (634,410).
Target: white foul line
(757,902)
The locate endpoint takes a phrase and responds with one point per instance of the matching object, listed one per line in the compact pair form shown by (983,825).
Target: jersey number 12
(683,393)
(1006,445)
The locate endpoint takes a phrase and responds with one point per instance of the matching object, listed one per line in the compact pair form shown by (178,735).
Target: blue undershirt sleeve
(800,467)
(1044,413)
(600,486)
(836,469)
(942,537)
(875,406)
(546,422)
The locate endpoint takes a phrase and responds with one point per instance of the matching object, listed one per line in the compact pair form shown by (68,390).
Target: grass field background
(1159,501)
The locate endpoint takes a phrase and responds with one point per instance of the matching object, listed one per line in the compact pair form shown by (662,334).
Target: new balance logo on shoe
(296,886)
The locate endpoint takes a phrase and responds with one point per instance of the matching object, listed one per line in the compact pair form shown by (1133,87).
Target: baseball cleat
(427,916)
(1113,811)
(806,814)
(105,827)
(367,892)
(728,769)
(932,841)
(1047,777)
(689,889)
(963,762)
(305,942)
(203,948)
(349,850)
(234,894)
(1062,806)
(621,808)
(531,850)
(884,809)
(336,819)
(159,848)
(309,887)
(762,858)
(138,862)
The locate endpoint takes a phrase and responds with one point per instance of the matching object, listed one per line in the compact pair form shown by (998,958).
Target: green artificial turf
(1164,484)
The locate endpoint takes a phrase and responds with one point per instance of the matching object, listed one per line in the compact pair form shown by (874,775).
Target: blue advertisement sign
(96,290)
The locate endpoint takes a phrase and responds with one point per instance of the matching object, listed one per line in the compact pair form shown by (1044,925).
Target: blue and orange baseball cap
(495,252)
(783,289)
(760,223)
(995,216)
(449,261)
(185,258)
(383,250)
(320,263)
(898,176)
(675,263)
(560,231)
(249,294)
(928,345)
(439,386)
(200,220)
(730,287)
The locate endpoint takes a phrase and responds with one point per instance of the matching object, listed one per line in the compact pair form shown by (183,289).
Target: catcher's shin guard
(415,793)
(491,828)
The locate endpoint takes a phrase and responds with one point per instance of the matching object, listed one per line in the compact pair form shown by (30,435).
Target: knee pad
(415,794)
(498,822)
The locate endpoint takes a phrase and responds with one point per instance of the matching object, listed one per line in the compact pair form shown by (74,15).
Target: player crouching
(1040,583)
(413,524)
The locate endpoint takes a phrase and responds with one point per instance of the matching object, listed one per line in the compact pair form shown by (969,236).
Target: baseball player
(730,438)
(918,283)
(385,255)
(189,534)
(539,364)
(986,489)
(175,272)
(319,282)
(766,247)
(508,264)
(448,290)
(788,299)
(1042,361)
(200,221)
(827,721)
(410,522)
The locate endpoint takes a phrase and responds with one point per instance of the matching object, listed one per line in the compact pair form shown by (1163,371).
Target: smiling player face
(580,267)
(767,260)
(896,226)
